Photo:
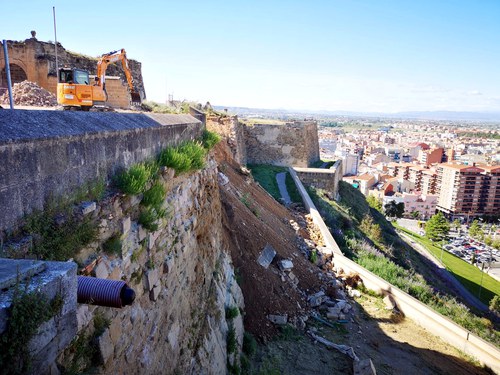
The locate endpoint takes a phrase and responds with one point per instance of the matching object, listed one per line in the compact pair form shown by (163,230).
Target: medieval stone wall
(234,131)
(291,144)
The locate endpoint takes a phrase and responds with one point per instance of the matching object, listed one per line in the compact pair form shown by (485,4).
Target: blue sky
(355,55)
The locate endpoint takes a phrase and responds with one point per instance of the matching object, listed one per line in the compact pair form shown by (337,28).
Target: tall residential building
(468,190)
(428,157)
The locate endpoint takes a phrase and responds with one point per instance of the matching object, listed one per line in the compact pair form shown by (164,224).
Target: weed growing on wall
(155,196)
(209,139)
(113,246)
(134,180)
(187,157)
(172,158)
(58,236)
(27,312)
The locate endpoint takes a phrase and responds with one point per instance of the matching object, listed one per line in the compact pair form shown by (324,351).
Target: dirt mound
(29,93)
(253,220)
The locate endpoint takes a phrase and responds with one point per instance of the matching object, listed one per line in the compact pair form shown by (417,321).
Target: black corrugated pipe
(104,292)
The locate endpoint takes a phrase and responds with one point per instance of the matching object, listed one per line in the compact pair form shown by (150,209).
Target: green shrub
(232,312)
(195,153)
(113,245)
(58,237)
(155,196)
(148,218)
(101,323)
(249,344)
(173,158)
(245,364)
(28,310)
(210,139)
(495,304)
(232,344)
(134,180)
(313,256)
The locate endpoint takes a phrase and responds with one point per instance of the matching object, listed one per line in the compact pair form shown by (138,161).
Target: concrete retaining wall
(319,178)
(47,154)
(423,315)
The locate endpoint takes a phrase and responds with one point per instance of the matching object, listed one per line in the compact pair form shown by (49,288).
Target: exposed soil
(253,219)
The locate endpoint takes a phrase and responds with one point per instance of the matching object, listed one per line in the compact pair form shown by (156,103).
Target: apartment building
(468,190)
(428,157)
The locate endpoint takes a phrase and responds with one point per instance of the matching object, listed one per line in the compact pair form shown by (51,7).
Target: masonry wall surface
(47,154)
(292,144)
(234,131)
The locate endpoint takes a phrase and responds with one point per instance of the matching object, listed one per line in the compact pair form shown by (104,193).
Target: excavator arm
(109,58)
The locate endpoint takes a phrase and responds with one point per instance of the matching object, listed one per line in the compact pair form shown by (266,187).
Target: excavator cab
(74,91)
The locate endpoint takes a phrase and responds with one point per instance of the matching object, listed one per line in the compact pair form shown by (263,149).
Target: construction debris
(348,350)
(29,93)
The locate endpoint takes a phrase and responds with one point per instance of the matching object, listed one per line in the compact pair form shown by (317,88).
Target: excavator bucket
(135,98)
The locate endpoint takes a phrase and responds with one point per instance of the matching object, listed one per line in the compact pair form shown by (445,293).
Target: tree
(374,202)
(371,229)
(456,224)
(415,215)
(488,240)
(475,230)
(437,227)
(393,209)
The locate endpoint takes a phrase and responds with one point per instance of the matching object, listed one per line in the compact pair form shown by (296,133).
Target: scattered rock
(278,319)
(364,367)
(88,207)
(266,256)
(316,299)
(285,265)
(223,179)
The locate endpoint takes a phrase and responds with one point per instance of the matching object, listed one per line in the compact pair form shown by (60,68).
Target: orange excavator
(74,90)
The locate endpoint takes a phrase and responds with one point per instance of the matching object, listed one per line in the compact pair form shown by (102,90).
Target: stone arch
(17,74)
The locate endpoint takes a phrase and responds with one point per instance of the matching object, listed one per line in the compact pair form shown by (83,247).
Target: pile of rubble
(29,93)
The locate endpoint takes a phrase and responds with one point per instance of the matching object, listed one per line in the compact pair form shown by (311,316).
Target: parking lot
(465,247)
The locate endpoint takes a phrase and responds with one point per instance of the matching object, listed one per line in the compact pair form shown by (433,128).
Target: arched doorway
(17,74)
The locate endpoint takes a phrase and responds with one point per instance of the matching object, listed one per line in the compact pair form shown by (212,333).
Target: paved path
(281,178)
(465,294)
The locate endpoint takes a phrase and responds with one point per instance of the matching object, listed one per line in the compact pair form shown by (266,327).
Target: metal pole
(7,72)
(55,43)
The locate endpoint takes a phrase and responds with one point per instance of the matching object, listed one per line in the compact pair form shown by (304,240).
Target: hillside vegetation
(368,238)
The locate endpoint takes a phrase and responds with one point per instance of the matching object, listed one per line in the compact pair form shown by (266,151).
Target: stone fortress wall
(181,273)
(291,144)
(35,61)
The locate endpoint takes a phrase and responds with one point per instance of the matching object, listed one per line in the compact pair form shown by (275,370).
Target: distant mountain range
(420,115)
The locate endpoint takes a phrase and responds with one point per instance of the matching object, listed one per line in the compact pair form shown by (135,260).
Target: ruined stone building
(35,61)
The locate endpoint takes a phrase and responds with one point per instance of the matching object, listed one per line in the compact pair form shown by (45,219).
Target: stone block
(155,292)
(106,347)
(142,233)
(278,319)
(126,224)
(115,331)
(83,316)
(88,207)
(285,265)
(266,256)
(152,278)
(316,299)
(101,270)
(46,332)
(364,367)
